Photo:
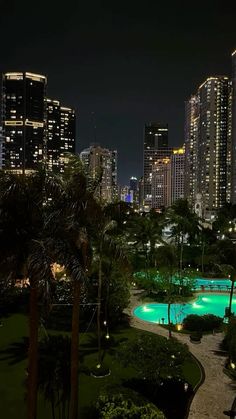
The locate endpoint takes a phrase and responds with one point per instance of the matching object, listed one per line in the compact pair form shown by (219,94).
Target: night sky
(120,63)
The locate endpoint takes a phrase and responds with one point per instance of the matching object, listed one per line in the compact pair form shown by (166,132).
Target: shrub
(230,339)
(125,404)
(154,357)
(207,322)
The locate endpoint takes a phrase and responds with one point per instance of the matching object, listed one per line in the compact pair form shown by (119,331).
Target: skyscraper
(155,147)
(208,157)
(133,187)
(233,149)
(1,146)
(191,146)
(60,134)
(102,162)
(67,132)
(133,184)
(177,174)
(53,134)
(161,183)
(141,193)
(114,175)
(23,121)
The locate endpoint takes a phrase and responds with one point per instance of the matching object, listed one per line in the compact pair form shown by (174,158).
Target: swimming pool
(203,304)
(222,284)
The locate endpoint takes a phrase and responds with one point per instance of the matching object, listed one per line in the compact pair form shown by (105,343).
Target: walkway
(217,392)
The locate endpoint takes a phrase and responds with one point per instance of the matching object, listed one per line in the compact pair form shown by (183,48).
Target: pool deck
(218,391)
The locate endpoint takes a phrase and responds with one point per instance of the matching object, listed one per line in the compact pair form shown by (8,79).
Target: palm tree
(167,264)
(72,216)
(185,225)
(106,245)
(54,373)
(206,237)
(146,232)
(22,251)
(225,261)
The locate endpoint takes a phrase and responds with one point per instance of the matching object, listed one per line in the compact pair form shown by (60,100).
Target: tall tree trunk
(169,322)
(99,309)
(181,255)
(33,354)
(231,294)
(203,253)
(63,409)
(68,409)
(53,409)
(74,380)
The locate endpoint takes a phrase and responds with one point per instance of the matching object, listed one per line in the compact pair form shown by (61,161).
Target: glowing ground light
(204,304)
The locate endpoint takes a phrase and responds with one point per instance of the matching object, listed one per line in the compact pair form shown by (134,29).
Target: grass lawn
(12,374)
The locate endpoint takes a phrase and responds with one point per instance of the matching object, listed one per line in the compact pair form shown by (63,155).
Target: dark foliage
(170,396)
(206,323)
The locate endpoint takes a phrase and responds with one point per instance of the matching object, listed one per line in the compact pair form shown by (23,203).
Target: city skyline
(120,66)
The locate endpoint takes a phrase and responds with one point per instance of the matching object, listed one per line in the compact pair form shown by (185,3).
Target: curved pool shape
(204,304)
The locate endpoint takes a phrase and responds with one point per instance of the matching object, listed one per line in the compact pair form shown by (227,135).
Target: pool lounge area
(212,284)
(203,284)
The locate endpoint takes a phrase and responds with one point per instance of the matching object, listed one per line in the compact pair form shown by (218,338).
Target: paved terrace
(217,392)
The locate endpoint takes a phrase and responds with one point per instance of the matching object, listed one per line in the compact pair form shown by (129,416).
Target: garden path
(217,392)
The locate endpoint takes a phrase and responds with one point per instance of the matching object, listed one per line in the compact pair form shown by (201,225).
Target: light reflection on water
(210,304)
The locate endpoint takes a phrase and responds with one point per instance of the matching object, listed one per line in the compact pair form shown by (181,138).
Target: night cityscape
(117,210)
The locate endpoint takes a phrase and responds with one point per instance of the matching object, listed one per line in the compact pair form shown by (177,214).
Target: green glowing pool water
(203,304)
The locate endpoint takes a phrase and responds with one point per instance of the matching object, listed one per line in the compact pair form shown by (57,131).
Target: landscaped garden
(124,374)
(68,263)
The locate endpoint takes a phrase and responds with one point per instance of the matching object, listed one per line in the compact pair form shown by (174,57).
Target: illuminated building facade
(155,148)
(101,162)
(141,193)
(61,128)
(1,146)
(161,183)
(53,134)
(114,175)
(191,146)
(177,174)
(133,187)
(233,149)
(23,121)
(209,126)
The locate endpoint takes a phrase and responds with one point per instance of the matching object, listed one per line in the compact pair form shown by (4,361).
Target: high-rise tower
(60,134)
(177,174)
(161,183)
(191,145)
(208,144)
(155,148)
(214,142)
(23,121)
(102,162)
(233,149)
